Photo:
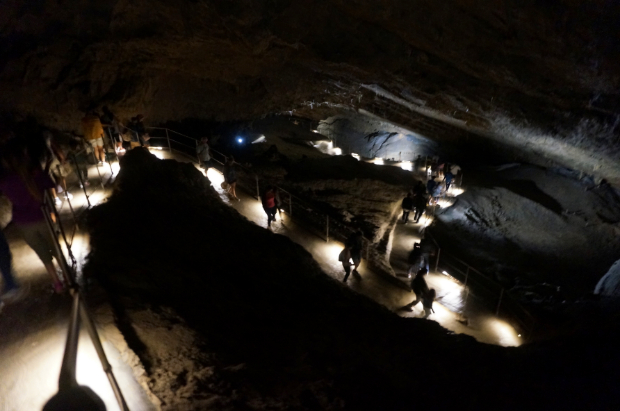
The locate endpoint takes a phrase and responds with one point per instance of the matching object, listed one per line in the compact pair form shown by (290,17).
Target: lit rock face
(540,79)
(610,283)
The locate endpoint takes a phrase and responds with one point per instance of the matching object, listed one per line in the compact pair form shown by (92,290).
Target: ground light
(406,165)
(355,156)
(378,161)
(455,191)
(337,151)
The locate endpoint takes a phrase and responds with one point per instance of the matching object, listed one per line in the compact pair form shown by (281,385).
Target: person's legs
(347,270)
(357,259)
(37,236)
(406,215)
(5,265)
(427,311)
(233,189)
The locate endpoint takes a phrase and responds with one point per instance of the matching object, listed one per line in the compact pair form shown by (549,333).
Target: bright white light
(445,272)
(507,335)
(157,148)
(315,131)
(443,203)
(239,140)
(337,151)
(261,139)
(355,156)
(519,335)
(378,161)
(455,191)
(406,165)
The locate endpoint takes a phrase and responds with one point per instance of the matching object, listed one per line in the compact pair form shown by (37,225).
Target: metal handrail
(67,377)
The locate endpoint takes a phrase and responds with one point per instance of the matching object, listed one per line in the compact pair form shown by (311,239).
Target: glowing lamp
(337,151)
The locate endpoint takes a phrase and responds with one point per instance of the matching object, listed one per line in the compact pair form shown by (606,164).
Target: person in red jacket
(270,204)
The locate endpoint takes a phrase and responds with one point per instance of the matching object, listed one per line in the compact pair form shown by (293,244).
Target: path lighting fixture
(378,161)
(355,156)
(337,151)
(406,165)
(445,272)
(315,131)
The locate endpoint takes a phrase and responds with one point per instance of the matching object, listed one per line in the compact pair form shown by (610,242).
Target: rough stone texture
(541,78)
(610,283)
(259,326)
(539,225)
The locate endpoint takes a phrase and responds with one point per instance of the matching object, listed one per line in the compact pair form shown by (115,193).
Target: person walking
(24,183)
(407,206)
(230,176)
(93,133)
(355,242)
(204,154)
(113,128)
(427,302)
(140,129)
(419,202)
(269,204)
(55,163)
(345,258)
(419,287)
(448,178)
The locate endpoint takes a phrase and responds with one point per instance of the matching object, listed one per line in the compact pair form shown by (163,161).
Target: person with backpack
(407,206)
(345,259)
(419,287)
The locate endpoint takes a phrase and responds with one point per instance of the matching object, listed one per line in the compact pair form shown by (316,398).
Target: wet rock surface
(226,315)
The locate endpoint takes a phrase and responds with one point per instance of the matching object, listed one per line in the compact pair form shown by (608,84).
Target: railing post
(257,188)
(437,260)
(290,204)
(81,178)
(169,145)
(466,276)
(326,228)
(499,303)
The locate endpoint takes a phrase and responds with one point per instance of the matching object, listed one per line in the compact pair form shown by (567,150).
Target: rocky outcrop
(609,285)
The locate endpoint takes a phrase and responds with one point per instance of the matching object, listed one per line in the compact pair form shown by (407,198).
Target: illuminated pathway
(33,330)
(483,326)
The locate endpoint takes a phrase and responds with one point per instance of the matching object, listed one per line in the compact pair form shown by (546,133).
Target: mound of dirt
(226,315)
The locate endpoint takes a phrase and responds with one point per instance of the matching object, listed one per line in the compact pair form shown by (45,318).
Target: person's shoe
(58,201)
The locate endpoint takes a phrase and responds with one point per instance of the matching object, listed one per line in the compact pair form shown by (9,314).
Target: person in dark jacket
(230,176)
(419,202)
(345,259)
(407,206)
(356,242)
(419,287)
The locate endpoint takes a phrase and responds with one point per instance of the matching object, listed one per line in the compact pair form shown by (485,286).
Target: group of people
(415,200)
(123,137)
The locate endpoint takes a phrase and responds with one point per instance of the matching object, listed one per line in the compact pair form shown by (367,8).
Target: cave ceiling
(541,77)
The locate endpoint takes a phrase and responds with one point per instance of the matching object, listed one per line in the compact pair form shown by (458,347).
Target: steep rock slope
(227,315)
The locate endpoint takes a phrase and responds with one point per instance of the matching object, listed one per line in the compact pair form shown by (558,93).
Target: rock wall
(536,76)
